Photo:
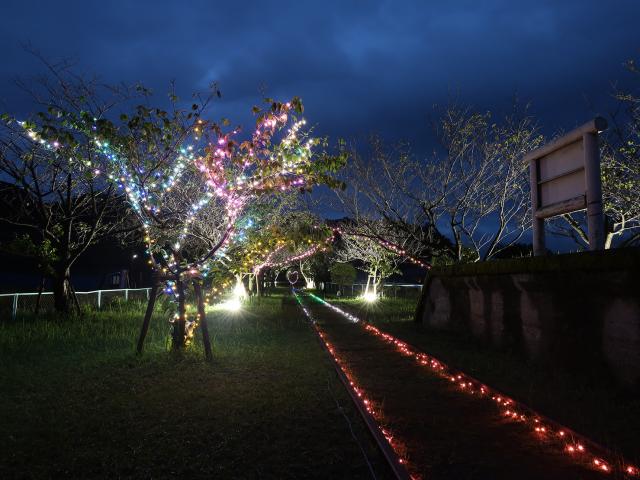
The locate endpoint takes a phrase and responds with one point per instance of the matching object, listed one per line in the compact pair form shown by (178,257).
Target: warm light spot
(369,297)
(238,291)
(232,305)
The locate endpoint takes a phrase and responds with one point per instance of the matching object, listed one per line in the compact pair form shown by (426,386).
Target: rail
(43,300)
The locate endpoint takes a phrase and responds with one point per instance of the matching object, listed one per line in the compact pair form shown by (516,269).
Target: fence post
(148,293)
(126,294)
(14,308)
(99,299)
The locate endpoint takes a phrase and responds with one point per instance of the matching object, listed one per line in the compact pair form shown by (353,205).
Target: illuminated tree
(301,238)
(189,181)
(370,257)
(305,267)
(315,269)
(266,226)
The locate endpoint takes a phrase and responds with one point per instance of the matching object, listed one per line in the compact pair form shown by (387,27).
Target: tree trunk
(259,284)
(62,290)
(147,316)
(40,288)
(458,247)
(377,283)
(308,280)
(180,324)
(609,240)
(251,284)
(203,321)
(74,297)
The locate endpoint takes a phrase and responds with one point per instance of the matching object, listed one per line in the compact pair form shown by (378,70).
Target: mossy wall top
(576,311)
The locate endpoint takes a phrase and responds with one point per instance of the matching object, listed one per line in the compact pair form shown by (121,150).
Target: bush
(343,274)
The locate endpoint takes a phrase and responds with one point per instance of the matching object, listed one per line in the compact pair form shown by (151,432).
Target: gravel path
(441,433)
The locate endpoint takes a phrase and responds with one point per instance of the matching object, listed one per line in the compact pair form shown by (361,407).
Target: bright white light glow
(231,305)
(369,297)
(239,292)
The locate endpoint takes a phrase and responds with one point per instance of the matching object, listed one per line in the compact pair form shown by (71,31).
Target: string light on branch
(392,247)
(270,263)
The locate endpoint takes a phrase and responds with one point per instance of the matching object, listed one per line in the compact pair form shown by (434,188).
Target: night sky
(360,66)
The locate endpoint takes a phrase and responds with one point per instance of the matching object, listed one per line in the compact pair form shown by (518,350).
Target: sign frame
(557,173)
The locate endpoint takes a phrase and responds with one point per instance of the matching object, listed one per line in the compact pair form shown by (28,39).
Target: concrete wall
(576,312)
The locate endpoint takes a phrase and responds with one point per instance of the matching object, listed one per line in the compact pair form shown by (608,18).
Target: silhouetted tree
(53,189)
(620,170)
(474,190)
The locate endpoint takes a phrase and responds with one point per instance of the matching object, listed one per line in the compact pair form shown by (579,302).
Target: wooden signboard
(565,177)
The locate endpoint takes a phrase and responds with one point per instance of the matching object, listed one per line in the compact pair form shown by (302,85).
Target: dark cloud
(360,66)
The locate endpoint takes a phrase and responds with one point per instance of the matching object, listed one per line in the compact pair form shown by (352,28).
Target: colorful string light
(270,263)
(347,315)
(226,171)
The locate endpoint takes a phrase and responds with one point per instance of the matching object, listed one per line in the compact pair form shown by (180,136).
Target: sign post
(565,177)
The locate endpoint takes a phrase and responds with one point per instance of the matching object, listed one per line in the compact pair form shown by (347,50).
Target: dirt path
(445,435)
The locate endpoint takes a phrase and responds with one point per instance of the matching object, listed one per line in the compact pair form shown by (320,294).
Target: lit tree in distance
(377,261)
(287,253)
(272,237)
(300,238)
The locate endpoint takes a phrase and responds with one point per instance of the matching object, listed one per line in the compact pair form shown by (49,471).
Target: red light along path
(436,431)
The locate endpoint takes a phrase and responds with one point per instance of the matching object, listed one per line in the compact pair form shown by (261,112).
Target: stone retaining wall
(575,311)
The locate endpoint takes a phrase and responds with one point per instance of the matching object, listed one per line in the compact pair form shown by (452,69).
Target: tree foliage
(343,274)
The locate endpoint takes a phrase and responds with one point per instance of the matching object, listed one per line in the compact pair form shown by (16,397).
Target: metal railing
(43,302)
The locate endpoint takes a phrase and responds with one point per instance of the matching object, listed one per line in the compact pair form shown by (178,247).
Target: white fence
(393,290)
(32,301)
(14,303)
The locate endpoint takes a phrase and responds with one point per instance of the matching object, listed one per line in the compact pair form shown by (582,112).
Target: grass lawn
(77,403)
(589,404)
